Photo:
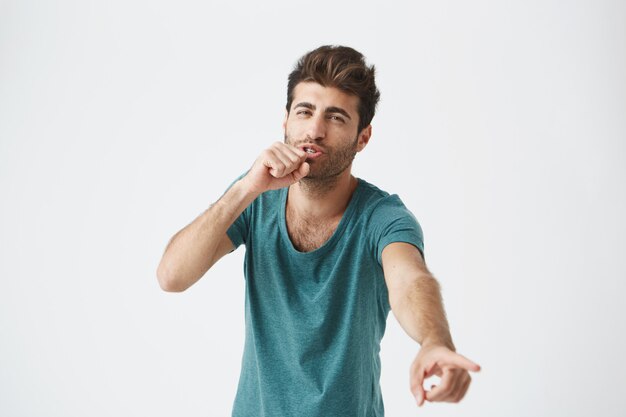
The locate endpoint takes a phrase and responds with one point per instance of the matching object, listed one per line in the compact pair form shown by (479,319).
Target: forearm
(419,310)
(195,248)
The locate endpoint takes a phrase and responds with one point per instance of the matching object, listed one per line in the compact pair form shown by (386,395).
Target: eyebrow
(331,109)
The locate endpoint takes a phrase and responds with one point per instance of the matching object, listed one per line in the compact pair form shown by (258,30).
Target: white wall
(502,126)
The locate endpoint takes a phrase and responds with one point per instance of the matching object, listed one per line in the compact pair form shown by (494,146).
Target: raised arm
(194,249)
(198,246)
(415,300)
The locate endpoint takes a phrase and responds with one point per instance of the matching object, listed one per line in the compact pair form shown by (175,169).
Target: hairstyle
(343,68)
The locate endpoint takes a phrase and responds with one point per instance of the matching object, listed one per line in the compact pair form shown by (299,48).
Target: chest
(306,236)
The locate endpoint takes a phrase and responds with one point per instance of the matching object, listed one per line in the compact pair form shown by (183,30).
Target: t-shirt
(314,320)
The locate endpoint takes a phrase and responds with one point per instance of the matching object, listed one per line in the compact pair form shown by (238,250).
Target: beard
(326,169)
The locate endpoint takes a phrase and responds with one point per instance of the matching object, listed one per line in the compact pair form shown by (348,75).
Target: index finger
(460,361)
(295,150)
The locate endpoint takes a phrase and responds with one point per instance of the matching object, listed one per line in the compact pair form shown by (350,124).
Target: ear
(285,120)
(364,137)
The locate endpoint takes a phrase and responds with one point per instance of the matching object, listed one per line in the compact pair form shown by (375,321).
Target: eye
(306,112)
(337,118)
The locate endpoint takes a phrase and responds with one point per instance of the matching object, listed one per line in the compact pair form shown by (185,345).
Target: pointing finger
(460,361)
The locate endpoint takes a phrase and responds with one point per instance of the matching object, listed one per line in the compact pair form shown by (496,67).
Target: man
(327,256)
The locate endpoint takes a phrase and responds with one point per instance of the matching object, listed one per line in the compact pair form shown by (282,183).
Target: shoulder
(379,204)
(388,220)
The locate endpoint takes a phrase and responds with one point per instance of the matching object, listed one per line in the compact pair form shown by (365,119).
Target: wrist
(249,191)
(431,342)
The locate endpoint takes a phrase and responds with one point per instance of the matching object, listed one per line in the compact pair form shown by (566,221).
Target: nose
(316,127)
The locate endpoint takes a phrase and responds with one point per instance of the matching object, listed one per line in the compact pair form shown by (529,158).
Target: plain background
(502,126)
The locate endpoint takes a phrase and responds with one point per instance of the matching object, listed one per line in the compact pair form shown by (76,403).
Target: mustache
(306,141)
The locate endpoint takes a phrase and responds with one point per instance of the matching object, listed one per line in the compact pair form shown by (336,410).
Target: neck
(321,200)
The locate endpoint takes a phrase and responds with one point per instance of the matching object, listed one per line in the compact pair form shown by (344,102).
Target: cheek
(291,127)
(296,132)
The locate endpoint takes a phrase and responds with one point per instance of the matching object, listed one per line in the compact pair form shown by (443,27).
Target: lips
(311,149)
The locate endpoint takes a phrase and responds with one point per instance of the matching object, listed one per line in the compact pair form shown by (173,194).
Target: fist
(278,166)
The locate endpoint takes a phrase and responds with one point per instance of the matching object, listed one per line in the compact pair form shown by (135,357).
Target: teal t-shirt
(314,320)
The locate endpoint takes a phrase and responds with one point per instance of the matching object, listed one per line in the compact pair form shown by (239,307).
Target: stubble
(325,172)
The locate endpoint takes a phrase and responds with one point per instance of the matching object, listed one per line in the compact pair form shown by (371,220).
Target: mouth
(312,151)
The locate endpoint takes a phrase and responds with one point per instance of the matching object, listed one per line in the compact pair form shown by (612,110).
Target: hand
(445,363)
(278,166)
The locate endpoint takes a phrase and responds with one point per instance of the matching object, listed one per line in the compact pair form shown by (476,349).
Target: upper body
(331,101)
(315,319)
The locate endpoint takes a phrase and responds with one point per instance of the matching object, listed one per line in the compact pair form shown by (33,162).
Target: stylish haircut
(343,68)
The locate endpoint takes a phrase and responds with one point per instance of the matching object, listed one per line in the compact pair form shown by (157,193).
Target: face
(323,121)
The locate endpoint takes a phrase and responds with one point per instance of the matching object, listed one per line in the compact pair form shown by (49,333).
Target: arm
(415,300)
(194,249)
(198,246)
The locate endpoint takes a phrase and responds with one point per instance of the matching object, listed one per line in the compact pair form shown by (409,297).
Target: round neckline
(345,218)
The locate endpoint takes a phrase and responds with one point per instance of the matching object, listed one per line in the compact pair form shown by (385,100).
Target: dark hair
(341,67)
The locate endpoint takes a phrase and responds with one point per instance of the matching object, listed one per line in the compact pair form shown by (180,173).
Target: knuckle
(274,147)
(459,396)
(279,166)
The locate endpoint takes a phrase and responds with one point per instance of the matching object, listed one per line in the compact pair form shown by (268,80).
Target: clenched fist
(278,166)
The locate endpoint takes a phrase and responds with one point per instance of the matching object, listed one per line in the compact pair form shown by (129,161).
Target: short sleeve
(393,222)
(238,231)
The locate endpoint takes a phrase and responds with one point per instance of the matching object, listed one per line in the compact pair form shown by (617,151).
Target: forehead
(322,97)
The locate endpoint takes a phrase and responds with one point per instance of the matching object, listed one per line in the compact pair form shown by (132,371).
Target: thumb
(301,172)
(417,387)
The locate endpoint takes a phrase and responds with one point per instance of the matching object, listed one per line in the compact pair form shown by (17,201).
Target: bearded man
(328,255)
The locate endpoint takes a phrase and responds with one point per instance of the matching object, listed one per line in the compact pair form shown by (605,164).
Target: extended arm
(415,300)
(414,296)
(194,249)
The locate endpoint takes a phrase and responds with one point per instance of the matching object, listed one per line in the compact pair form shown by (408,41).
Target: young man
(327,256)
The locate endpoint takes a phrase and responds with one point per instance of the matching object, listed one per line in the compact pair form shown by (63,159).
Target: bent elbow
(168,281)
